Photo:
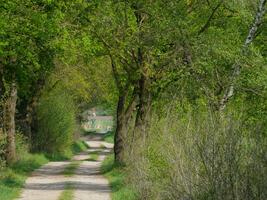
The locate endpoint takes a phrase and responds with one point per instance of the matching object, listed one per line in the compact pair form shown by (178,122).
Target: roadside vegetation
(12,179)
(117,176)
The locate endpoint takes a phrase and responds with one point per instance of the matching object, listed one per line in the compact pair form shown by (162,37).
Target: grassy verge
(117,180)
(12,179)
(77,147)
(68,193)
(109,137)
(70,169)
(94,155)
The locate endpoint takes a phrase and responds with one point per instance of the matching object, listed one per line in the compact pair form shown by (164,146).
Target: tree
(28,29)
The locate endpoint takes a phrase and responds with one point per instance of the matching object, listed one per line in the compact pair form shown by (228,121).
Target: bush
(56,124)
(202,157)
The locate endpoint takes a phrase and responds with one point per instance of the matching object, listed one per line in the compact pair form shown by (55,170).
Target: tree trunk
(2,92)
(124,113)
(144,108)
(31,116)
(9,122)
(120,131)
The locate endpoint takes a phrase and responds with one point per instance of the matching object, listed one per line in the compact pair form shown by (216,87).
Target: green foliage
(56,115)
(28,30)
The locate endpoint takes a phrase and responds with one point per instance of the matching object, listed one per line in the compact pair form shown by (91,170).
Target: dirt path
(48,182)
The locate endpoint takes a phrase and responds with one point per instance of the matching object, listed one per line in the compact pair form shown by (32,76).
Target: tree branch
(207,24)
(229,92)
(115,74)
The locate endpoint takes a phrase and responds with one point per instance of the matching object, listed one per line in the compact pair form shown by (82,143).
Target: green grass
(12,179)
(94,155)
(70,169)
(68,193)
(79,146)
(117,180)
(109,137)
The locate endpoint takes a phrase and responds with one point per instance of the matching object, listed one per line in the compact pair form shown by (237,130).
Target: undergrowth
(117,179)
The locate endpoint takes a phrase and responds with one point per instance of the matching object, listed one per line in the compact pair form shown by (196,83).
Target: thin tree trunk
(229,92)
(9,122)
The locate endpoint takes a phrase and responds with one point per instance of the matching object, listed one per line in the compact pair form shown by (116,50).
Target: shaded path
(47,183)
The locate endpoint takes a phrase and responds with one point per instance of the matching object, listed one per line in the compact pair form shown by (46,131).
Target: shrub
(56,123)
(202,157)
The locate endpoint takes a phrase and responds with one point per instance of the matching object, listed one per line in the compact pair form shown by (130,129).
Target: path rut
(48,182)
